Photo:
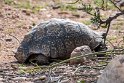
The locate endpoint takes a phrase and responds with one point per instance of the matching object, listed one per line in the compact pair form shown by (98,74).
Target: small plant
(9,2)
(87,22)
(9,31)
(68,7)
(82,81)
(25,5)
(28,5)
(104,4)
(71,7)
(36,8)
(112,38)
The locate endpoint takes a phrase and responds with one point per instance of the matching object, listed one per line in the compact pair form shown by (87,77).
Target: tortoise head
(22,52)
(21,55)
(101,46)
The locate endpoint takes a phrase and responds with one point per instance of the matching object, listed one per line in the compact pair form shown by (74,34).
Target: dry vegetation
(17,17)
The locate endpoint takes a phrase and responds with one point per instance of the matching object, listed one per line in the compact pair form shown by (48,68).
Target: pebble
(8,40)
(1,79)
(40,78)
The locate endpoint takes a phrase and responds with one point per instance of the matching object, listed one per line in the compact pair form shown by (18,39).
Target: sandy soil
(16,22)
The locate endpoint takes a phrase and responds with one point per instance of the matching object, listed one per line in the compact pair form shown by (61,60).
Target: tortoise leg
(39,59)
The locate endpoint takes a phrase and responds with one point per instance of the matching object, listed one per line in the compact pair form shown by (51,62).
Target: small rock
(1,79)
(15,16)
(24,27)
(49,15)
(82,50)
(1,29)
(54,79)
(28,82)
(1,14)
(65,81)
(14,66)
(8,39)
(101,71)
(63,12)
(30,27)
(56,6)
(76,15)
(41,78)
(7,8)
(43,9)
(26,12)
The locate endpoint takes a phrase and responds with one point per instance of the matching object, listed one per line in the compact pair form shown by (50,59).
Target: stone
(114,72)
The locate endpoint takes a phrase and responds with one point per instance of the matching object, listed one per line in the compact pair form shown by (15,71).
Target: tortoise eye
(81,49)
(77,50)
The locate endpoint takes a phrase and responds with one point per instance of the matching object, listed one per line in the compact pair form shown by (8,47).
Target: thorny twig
(15,38)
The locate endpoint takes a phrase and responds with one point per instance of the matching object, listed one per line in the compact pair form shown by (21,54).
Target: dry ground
(17,20)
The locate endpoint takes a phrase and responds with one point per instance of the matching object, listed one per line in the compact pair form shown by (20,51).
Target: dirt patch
(16,22)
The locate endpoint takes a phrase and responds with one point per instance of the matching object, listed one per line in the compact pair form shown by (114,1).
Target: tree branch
(115,5)
(112,17)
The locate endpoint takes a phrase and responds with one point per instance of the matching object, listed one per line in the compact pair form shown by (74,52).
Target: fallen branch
(95,53)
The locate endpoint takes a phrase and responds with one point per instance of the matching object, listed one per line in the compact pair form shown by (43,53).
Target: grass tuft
(8,2)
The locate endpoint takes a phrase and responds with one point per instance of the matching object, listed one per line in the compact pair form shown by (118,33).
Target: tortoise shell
(56,39)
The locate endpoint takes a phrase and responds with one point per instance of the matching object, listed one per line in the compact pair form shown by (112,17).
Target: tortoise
(56,39)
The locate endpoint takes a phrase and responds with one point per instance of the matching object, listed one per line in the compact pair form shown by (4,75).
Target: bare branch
(95,53)
(111,18)
(115,5)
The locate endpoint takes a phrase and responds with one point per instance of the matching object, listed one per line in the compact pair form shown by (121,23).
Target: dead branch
(115,5)
(109,20)
(90,54)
